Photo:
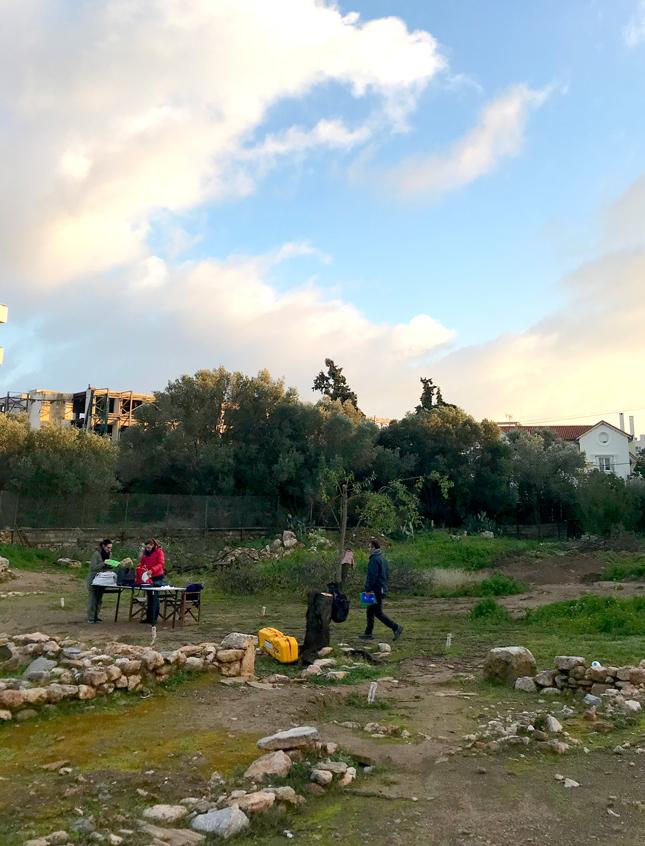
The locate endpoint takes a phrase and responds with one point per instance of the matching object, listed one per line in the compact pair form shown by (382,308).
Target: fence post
(15,512)
(205,516)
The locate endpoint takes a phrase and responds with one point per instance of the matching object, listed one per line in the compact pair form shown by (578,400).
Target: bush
(490,611)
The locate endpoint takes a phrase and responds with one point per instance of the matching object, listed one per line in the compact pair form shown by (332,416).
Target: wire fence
(123,513)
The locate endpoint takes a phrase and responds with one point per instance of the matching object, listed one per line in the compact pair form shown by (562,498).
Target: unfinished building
(106,412)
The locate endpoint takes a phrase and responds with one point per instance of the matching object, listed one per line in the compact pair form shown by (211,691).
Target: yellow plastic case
(278,645)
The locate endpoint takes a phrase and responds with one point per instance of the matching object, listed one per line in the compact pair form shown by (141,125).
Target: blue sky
(512,264)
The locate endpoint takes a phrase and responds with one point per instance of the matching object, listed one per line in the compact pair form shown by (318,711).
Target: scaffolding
(106,412)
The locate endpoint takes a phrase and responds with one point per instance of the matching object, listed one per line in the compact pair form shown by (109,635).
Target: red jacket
(154,563)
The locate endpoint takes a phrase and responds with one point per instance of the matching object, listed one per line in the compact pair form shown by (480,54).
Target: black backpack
(339,604)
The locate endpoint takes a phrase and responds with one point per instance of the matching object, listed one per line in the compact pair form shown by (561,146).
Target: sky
(438,188)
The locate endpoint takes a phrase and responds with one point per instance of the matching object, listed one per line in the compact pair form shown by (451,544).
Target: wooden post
(343,527)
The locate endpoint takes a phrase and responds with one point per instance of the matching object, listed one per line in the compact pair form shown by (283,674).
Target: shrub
(621,567)
(490,611)
(453,583)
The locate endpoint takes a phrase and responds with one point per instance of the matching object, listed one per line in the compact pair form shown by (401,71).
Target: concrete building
(605,447)
(106,412)
(98,410)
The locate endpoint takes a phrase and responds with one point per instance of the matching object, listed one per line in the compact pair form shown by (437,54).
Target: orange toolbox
(278,645)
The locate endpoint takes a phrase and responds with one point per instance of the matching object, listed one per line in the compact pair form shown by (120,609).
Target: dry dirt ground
(169,743)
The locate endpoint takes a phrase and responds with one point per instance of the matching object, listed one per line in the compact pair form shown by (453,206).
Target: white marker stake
(371,696)
(448,640)
(154,636)
(264,610)
(62,602)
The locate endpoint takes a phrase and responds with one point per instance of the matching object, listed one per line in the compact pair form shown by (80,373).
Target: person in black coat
(377,583)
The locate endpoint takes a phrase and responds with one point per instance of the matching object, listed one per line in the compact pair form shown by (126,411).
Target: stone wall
(62,669)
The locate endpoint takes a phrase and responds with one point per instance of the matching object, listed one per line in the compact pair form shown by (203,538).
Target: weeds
(490,611)
(593,615)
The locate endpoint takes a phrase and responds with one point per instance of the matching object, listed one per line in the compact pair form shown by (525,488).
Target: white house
(605,447)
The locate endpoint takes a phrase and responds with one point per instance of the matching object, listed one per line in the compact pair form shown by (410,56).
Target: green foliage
(378,513)
(499,584)
(623,567)
(54,461)
(607,503)
(440,549)
(334,385)
(593,615)
(490,611)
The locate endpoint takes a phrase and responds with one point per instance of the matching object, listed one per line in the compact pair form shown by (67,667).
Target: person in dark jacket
(95,594)
(377,583)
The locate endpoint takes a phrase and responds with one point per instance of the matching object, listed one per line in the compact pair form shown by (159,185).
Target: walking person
(94,593)
(377,583)
(150,572)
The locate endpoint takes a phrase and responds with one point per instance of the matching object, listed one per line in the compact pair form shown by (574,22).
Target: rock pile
(283,545)
(62,669)
(572,672)
(231,812)
(515,666)
(6,574)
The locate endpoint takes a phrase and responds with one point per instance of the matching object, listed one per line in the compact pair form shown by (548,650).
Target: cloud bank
(114,112)
(498,134)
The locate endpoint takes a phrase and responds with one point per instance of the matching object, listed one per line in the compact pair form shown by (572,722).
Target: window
(605,463)
(603,437)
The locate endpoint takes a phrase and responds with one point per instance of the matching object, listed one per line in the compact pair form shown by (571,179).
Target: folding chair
(138,605)
(193,602)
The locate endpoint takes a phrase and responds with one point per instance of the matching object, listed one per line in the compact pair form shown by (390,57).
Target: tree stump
(318,620)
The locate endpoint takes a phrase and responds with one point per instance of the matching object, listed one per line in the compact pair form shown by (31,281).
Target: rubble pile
(62,669)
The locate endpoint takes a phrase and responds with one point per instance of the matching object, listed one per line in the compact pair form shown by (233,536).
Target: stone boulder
(255,803)
(225,823)
(294,738)
(172,836)
(526,684)
(39,669)
(274,764)
(564,663)
(238,640)
(508,663)
(165,813)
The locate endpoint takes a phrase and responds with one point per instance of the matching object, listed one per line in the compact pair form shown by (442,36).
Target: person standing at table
(150,572)
(95,594)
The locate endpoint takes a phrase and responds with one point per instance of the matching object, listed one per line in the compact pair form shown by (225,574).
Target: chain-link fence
(121,513)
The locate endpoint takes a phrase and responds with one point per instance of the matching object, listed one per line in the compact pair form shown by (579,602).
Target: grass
(499,584)
(439,549)
(624,566)
(39,560)
(593,615)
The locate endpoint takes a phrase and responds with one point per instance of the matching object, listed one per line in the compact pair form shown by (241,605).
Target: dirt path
(167,745)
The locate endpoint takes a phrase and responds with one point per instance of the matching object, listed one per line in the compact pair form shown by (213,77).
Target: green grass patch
(622,567)
(27,558)
(593,615)
(499,584)
(439,549)
(490,611)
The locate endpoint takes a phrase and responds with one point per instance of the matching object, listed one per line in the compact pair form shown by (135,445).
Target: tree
(431,396)
(334,385)
(54,461)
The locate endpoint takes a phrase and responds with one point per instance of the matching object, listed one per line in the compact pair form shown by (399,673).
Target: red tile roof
(567,433)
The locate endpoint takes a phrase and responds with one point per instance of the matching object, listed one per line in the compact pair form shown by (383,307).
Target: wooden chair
(192,600)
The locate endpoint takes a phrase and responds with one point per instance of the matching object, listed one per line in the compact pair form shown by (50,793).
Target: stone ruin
(62,669)
(515,666)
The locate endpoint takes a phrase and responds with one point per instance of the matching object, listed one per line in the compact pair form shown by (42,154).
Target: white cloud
(634,32)
(117,110)
(584,358)
(498,134)
(168,319)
